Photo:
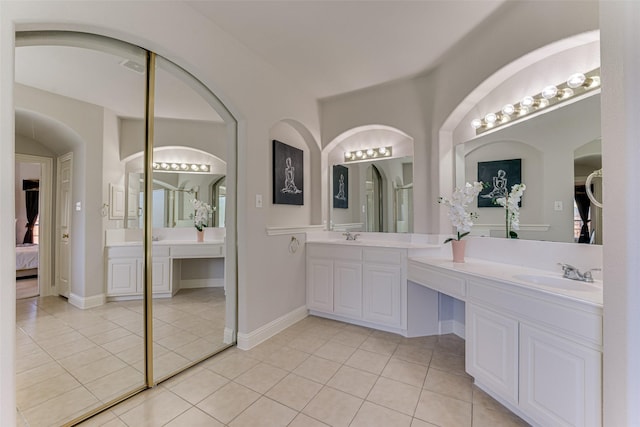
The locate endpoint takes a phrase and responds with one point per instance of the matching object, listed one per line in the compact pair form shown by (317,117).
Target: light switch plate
(557,205)
(258,200)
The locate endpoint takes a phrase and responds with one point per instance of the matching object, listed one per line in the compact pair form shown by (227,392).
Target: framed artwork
(288,174)
(498,176)
(340,187)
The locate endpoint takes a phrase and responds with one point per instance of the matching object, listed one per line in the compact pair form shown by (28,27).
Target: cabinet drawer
(125,252)
(383,256)
(436,280)
(335,252)
(196,251)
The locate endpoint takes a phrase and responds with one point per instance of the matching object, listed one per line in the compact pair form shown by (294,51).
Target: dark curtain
(583,203)
(31,194)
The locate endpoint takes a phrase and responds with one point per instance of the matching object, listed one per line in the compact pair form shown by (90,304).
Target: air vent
(133,66)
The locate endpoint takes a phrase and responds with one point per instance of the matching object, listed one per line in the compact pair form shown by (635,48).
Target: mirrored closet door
(134,297)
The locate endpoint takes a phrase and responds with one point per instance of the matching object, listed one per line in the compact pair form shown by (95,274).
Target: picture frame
(288,174)
(340,187)
(498,176)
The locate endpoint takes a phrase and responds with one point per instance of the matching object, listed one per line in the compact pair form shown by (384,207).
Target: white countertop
(168,243)
(589,293)
(377,243)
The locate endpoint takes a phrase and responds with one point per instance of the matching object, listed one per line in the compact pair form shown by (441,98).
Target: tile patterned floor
(321,373)
(70,361)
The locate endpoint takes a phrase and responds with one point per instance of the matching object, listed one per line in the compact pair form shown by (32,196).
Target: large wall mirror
(85,343)
(371,181)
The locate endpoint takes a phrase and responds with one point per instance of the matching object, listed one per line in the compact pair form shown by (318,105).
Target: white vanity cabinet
(356,283)
(541,354)
(125,267)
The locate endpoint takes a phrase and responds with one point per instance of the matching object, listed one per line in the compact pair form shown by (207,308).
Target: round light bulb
(370,152)
(527,101)
(164,166)
(476,123)
(508,109)
(382,150)
(347,155)
(542,102)
(576,80)
(523,110)
(565,93)
(184,166)
(174,166)
(204,168)
(593,82)
(194,167)
(549,92)
(490,118)
(358,153)
(154,165)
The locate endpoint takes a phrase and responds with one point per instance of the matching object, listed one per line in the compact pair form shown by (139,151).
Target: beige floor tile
(302,420)
(264,413)
(351,337)
(416,422)
(294,391)
(414,354)
(452,385)
(372,415)
(124,343)
(379,345)
(261,377)
(116,383)
(31,360)
(65,350)
(395,395)
(194,417)
(228,402)
(443,411)
(156,411)
(231,367)
(486,417)
(353,381)
(103,419)
(482,398)
(449,363)
(287,358)
(97,369)
(167,363)
(63,407)
(111,335)
(335,351)
(333,407)
(38,393)
(406,372)
(194,388)
(38,374)
(317,369)
(83,358)
(307,343)
(178,340)
(450,344)
(197,349)
(263,351)
(368,361)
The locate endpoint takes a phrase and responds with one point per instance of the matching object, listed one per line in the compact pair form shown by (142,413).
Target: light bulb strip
(181,167)
(577,84)
(368,154)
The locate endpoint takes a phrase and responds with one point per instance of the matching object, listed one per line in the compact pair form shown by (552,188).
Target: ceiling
(328,47)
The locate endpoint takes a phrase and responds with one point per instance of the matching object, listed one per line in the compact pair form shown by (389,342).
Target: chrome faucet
(350,236)
(570,272)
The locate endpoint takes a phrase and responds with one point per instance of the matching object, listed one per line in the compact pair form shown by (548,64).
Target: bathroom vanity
(533,338)
(125,266)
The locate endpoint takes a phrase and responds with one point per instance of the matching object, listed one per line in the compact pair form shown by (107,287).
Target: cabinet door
(320,284)
(382,294)
(347,289)
(560,381)
(492,351)
(160,275)
(121,276)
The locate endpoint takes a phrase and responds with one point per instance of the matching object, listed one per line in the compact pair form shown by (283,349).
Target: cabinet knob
(65,236)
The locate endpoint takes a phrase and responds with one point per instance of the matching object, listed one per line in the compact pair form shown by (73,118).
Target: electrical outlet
(557,205)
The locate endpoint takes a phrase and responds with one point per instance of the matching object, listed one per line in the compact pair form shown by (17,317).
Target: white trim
(201,283)
(263,333)
(279,231)
(346,227)
(523,227)
(88,302)
(229,336)
(452,327)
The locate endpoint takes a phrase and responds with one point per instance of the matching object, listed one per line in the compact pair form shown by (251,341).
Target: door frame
(45,219)
(58,238)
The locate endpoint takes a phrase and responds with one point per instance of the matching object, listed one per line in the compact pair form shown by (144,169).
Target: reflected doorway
(374,199)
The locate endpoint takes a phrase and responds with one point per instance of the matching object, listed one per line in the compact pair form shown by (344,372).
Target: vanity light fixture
(577,84)
(367,154)
(181,167)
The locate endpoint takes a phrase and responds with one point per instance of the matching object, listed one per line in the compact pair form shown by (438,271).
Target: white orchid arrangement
(458,205)
(511,204)
(201,213)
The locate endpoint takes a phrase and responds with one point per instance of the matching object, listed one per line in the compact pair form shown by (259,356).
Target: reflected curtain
(584,204)
(31,189)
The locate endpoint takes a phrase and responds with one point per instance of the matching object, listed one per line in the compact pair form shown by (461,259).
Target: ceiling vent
(133,66)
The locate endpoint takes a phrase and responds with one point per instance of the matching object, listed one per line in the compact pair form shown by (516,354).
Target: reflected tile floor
(70,361)
(320,372)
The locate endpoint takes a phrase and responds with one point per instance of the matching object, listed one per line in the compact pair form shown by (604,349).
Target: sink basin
(557,282)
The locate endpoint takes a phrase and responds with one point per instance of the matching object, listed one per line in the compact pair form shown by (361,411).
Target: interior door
(63,220)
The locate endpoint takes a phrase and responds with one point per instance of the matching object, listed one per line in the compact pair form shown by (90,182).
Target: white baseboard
(88,302)
(229,336)
(263,333)
(452,327)
(201,283)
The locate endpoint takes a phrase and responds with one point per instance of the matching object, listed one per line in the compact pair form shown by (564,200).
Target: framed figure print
(340,187)
(498,177)
(288,174)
